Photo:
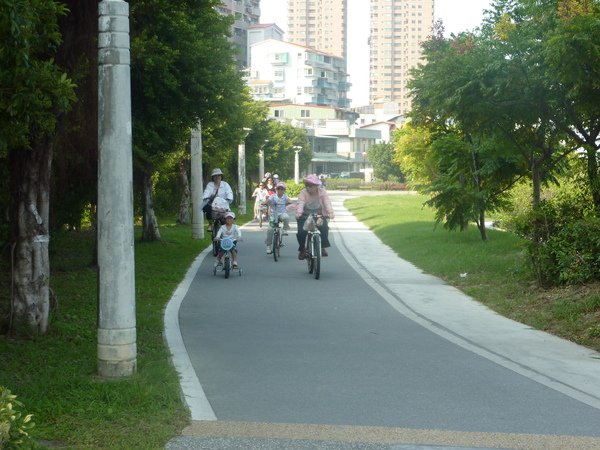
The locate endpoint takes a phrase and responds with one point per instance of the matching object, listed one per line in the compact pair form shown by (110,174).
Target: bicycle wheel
(275,244)
(309,259)
(316,257)
(227,266)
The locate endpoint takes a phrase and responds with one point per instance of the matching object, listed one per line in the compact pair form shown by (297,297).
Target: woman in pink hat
(313,200)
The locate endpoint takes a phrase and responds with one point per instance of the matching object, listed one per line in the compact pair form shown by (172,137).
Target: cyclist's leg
(301,237)
(324,229)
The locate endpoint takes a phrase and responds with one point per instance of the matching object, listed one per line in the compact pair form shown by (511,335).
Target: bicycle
(277,241)
(313,245)
(262,215)
(227,244)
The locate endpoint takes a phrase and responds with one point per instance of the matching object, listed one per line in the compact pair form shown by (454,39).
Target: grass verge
(54,375)
(494,272)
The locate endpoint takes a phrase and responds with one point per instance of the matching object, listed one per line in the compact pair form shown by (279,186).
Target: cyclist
(216,188)
(313,200)
(270,185)
(277,210)
(259,195)
(230,230)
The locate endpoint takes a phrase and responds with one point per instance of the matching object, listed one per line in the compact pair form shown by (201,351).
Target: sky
(458,15)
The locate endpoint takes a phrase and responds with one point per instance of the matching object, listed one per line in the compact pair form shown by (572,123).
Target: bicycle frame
(277,239)
(313,248)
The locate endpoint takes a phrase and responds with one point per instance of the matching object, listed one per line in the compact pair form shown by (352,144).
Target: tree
(381,157)
(183,71)
(36,91)
(571,49)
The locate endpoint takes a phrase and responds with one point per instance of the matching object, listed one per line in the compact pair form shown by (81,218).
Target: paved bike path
(374,343)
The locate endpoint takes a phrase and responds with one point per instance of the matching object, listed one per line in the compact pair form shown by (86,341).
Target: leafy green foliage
(15,427)
(381,157)
(576,249)
(34,87)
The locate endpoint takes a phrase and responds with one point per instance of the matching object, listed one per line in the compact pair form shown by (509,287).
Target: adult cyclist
(313,200)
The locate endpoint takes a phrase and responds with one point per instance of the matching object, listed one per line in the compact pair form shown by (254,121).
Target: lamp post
(297,149)
(242,173)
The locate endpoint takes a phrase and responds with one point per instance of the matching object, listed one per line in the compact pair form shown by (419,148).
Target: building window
(305,113)
(278,113)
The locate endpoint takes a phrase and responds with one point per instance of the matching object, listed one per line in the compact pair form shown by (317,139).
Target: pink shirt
(304,198)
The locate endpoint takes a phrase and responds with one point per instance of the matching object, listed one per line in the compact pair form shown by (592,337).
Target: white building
(291,73)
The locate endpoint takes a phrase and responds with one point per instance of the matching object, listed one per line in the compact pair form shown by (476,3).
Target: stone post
(242,173)
(117,350)
(197,183)
(297,149)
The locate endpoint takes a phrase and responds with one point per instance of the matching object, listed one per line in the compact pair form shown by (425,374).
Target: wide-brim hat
(312,179)
(216,172)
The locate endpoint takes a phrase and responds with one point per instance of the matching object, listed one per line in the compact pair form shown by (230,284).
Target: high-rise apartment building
(319,24)
(246,14)
(397,29)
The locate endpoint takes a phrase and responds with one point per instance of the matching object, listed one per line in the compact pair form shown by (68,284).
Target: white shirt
(224,191)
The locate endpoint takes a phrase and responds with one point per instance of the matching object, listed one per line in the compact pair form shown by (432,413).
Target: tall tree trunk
(592,173)
(150,230)
(29,211)
(184,205)
(481,225)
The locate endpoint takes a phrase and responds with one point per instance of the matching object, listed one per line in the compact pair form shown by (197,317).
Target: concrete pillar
(261,164)
(197,183)
(117,351)
(242,178)
(297,149)
(242,173)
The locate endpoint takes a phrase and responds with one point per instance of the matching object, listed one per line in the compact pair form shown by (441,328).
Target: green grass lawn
(54,376)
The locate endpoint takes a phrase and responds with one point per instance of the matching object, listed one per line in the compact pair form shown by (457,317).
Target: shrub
(14,425)
(576,251)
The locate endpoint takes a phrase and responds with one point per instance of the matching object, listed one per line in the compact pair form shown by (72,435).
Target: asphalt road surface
(373,355)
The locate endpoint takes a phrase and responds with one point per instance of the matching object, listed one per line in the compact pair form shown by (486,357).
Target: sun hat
(312,179)
(216,172)
(280,185)
(230,214)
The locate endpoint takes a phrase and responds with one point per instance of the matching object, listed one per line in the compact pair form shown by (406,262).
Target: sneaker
(324,252)
(235,265)
(269,250)
(301,254)
(217,263)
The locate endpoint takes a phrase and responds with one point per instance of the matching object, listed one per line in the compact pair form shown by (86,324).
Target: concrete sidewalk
(556,363)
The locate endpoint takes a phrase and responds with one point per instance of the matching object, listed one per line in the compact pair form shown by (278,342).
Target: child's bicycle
(226,245)
(313,245)
(262,215)
(277,241)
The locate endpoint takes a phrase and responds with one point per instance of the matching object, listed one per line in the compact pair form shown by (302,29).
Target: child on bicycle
(230,230)
(259,195)
(277,210)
